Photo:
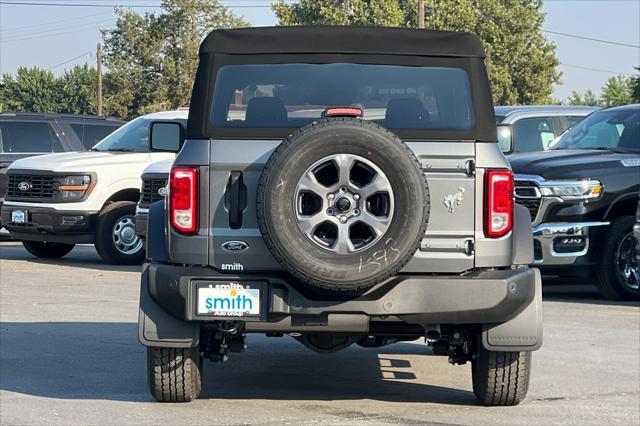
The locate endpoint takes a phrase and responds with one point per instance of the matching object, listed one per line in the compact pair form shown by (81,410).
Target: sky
(59,37)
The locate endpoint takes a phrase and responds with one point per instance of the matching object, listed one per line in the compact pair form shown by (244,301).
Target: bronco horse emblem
(452,200)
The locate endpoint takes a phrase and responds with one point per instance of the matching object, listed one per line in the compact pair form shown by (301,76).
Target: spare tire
(342,204)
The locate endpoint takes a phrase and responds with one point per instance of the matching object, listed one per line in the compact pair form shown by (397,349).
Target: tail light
(498,203)
(183,199)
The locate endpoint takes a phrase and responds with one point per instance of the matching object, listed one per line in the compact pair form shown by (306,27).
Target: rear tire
(175,374)
(608,279)
(501,378)
(113,243)
(47,250)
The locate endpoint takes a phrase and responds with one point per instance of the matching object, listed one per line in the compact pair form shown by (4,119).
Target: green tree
(31,90)
(77,90)
(635,87)
(522,63)
(588,98)
(617,91)
(152,58)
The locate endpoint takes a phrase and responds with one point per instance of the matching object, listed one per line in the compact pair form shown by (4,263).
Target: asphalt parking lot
(69,355)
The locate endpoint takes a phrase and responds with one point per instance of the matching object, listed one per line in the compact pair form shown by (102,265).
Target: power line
(67,61)
(48,31)
(594,69)
(46,24)
(112,5)
(55,34)
(592,39)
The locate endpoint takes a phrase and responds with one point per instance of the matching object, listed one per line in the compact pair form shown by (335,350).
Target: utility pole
(99,70)
(421,14)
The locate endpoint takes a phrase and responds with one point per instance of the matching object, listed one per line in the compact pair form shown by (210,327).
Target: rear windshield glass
(292,95)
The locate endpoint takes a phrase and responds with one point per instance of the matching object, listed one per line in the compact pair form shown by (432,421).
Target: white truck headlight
(573,190)
(75,187)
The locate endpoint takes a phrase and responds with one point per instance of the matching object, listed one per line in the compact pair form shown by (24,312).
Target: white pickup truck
(56,201)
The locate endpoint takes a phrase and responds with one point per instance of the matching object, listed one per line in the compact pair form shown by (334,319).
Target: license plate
(18,216)
(228,300)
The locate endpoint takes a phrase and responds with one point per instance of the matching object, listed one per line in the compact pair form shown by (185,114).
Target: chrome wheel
(124,236)
(343,203)
(627,266)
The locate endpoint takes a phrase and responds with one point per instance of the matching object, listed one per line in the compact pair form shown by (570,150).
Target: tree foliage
(635,87)
(522,63)
(32,89)
(152,58)
(616,91)
(38,90)
(587,99)
(77,90)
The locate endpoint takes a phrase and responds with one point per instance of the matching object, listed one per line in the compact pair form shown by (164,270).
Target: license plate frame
(255,290)
(19,216)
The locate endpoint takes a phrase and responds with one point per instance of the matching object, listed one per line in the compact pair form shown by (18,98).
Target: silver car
(532,128)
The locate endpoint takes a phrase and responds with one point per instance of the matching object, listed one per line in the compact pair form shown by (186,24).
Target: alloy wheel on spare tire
(343,204)
(116,239)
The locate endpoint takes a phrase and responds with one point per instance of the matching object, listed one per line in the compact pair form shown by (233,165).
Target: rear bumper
(484,297)
(49,224)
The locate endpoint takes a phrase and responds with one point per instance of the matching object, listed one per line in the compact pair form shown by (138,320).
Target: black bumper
(480,298)
(142,218)
(47,224)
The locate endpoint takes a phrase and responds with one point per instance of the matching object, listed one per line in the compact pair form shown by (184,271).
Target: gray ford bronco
(339,185)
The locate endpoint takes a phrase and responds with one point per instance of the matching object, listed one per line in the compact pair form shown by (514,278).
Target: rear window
(292,95)
(28,136)
(91,134)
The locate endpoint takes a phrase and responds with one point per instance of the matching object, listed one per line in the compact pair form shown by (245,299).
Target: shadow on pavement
(557,290)
(82,256)
(104,361)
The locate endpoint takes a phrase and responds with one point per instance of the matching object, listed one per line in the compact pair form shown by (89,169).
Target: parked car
(532,128)
(56,201)
(29,134)
(294,211)
(582,194)
(636,232)
(154,188)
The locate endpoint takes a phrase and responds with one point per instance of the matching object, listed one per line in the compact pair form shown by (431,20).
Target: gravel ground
(69,355)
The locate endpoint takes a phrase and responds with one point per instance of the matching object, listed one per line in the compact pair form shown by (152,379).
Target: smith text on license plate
(228,300)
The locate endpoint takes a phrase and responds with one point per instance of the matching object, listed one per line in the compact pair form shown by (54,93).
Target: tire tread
(501,378)
(174,374)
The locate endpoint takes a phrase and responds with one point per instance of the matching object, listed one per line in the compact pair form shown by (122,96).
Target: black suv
(29,134)
(342,185)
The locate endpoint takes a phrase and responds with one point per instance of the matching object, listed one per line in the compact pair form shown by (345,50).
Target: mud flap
(522,237)
(158,328)
(522,333)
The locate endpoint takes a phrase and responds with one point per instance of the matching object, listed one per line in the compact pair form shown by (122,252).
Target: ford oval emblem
(162,191)
(24,186)
(235,246)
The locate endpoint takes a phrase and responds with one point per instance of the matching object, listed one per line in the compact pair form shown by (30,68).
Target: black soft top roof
(342,39)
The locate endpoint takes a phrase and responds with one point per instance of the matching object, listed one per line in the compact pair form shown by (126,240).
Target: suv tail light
(183,199)
(498,203)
